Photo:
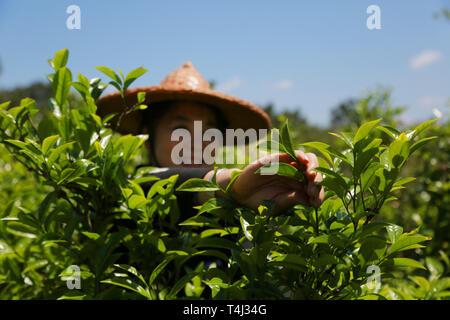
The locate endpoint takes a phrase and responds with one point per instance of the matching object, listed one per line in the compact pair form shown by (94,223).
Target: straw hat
(185,83)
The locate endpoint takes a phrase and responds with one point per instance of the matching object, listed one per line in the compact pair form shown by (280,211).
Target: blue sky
(297,54)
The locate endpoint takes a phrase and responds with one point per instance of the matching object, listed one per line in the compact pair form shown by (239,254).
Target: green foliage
(374,104)
(84,206)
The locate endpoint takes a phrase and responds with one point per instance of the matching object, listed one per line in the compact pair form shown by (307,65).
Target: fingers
(314,191)
(312,164)
(315,194)
(308,160)
(273,157)
(318,201)
(295,192)
(288,199)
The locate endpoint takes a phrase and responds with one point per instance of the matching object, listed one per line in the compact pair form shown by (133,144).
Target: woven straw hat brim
(239,113)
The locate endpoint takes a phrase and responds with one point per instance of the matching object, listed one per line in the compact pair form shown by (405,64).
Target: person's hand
(251,188)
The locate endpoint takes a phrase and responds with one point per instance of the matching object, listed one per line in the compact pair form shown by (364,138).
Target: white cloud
(230,85)
(425,58)
(284,84)
(437,113)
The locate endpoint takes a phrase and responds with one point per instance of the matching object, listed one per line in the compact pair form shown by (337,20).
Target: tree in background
(41,93)
(301,130)
(38,91)
(444,12)
(372,105)
(295,116)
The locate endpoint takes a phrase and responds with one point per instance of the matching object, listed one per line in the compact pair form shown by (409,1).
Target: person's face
(182,115)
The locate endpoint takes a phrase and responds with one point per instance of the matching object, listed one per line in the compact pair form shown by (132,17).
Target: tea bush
(85,206)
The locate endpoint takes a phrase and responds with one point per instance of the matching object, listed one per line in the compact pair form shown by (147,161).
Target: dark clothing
(186,200)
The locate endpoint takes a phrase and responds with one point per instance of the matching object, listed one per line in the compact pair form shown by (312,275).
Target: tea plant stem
(317,221)
(127,111)
(64,195)
(35,132)
(26,164)
(348,213)
(355,181)
(362,195)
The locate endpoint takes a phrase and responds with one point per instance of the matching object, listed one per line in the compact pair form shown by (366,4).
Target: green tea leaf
(60,59)
(195,185)
(394,232)
(83,80)
(61,87)
(364,130)
(368,230)
(128,144)
(200,221)
(160,267)
(290,258)
(369,175)
(244,225)
(212,232)
(66,174)
(212,253)
(132,76)
(436,268)
(405,243)
(234,175)
(420,128)
(421,282)
(81,89)
(372,248)
(48,143)
(129,284)
(420,143)
(329,173)
(145,179)
(398,151)
(282,169)
(5,105)
(403,181)
(55,153)
(141,97)
(141,107)
(327,151)
(364,159)
(73,295)
(320,239)
(110,73)
(137,201)
(181,284)
(131,270)
(91,235)
(286,143)
(215,204)
(392,132)
(213,242)
(346,137)
(406,262)
(20,144)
